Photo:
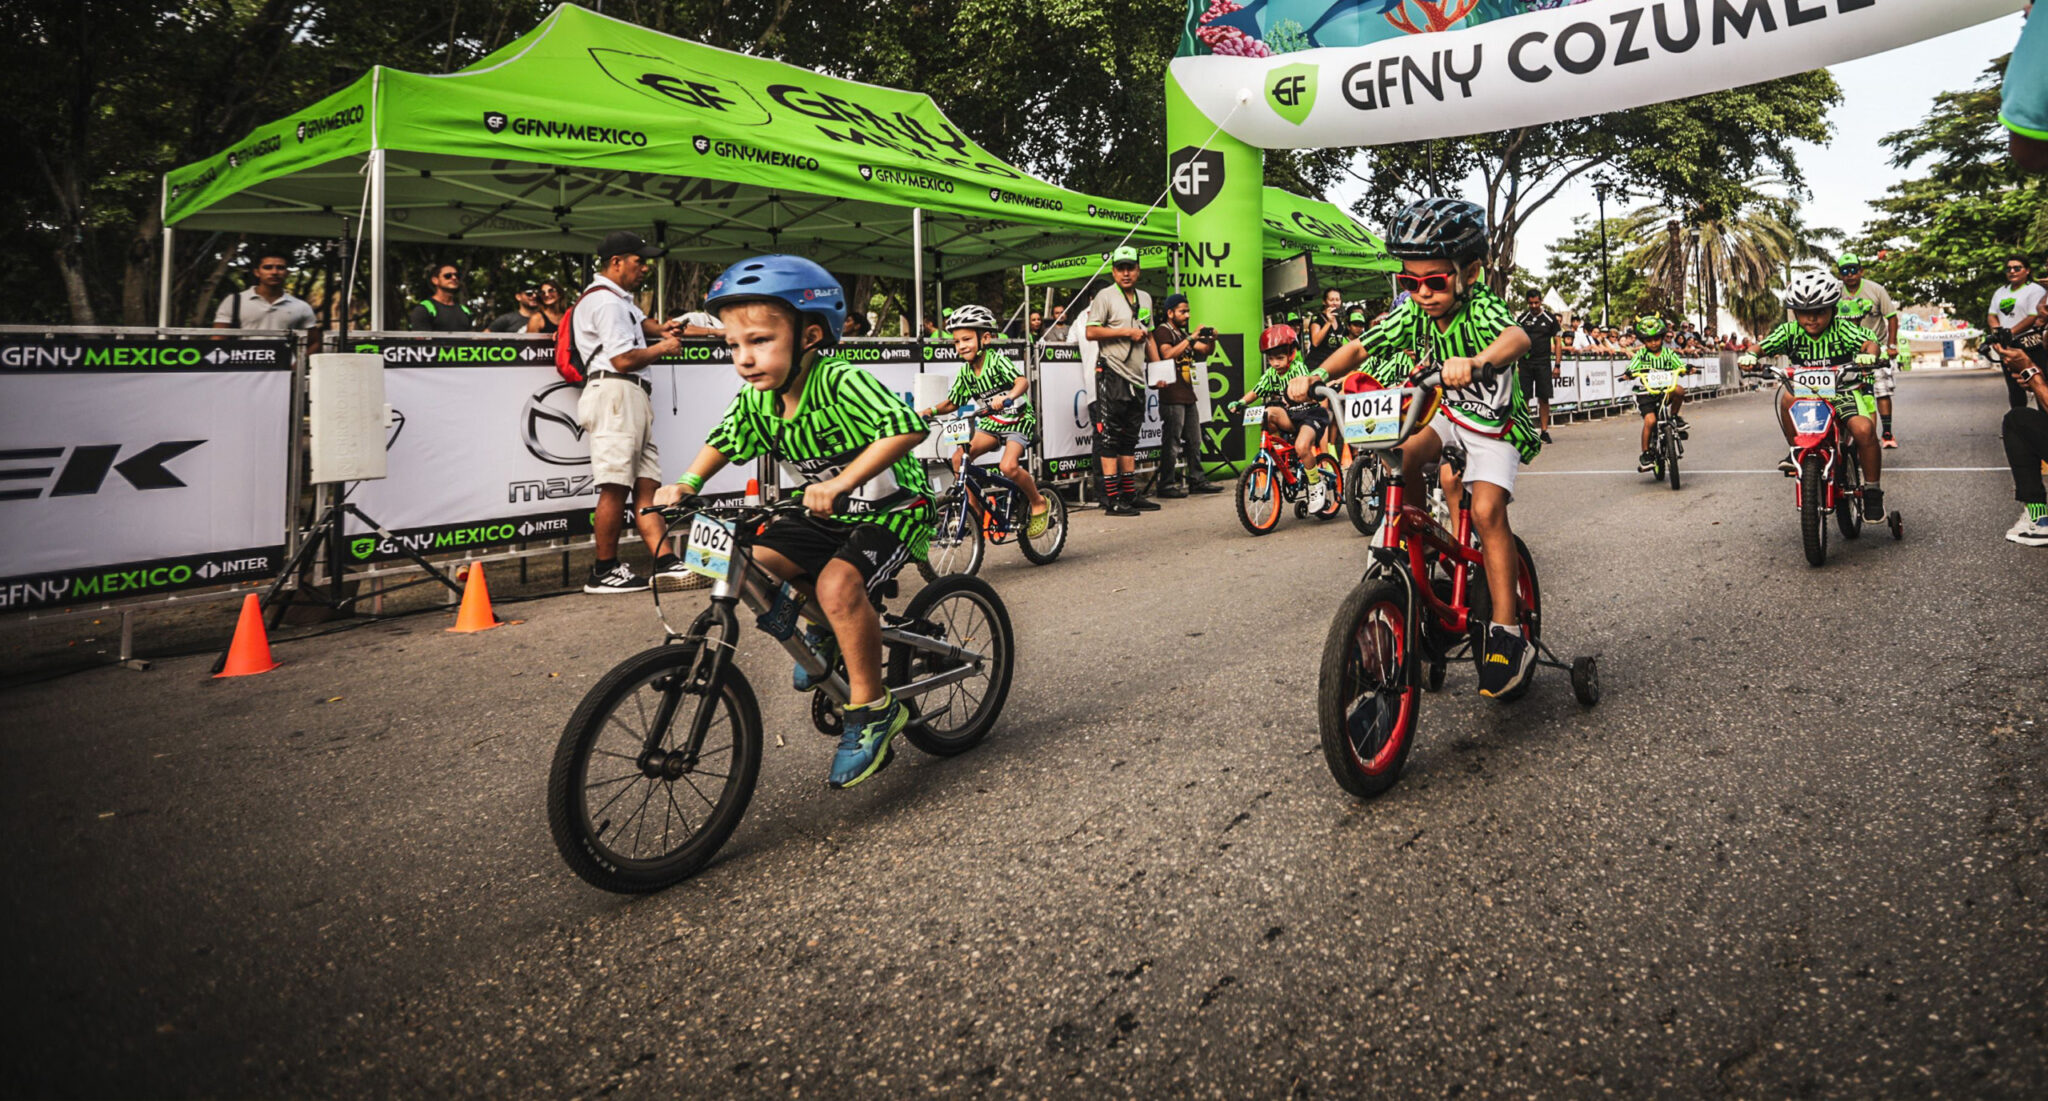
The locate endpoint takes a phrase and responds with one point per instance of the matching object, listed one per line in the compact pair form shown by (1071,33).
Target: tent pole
(163,280)
(661,272)
(917,273)
(377,292)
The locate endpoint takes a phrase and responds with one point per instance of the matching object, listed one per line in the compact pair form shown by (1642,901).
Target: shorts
(1648,403)
(1487,459)
(811,543)
(1883,381)
(1119,414)
(619,420)
(1007,438)
(1536,379)
(1315,415)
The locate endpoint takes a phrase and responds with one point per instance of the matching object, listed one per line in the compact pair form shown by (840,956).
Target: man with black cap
(1183,431)
(615,409)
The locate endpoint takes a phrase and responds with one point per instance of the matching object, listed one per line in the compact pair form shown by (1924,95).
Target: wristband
(691,481)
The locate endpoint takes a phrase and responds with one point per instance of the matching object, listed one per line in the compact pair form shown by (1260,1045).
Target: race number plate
(709,551)
(957,432)
(1659,380)
(1254,416)
(1814,383)
(1372,417)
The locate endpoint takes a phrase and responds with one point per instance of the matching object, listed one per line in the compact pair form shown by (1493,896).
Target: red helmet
(1277,337)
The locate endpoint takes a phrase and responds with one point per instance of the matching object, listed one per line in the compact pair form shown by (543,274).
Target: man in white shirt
(2016,308)
(615,409)
(265,305)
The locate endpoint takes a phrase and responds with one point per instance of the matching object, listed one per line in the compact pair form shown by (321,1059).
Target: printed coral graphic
(1226,40)
(1440,15)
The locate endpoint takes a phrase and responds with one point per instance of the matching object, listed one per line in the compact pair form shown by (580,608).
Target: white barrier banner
(1564,388)
(121,482)
(1546,66)
(1596,380)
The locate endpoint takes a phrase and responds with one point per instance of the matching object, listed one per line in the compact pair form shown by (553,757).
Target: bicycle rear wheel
(1849,493)
(1368,701)
(966,612)
(957,544)
(1362,493)
(1529,610)
(631,820)
(1333,486)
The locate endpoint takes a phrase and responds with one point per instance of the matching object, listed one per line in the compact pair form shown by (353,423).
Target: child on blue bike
(990,380)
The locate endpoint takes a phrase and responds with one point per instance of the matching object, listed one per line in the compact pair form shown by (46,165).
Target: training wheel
(826,715)
(1897,522)
(1586,680)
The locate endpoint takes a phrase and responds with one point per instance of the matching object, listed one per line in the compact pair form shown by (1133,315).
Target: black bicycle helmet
(1439,229)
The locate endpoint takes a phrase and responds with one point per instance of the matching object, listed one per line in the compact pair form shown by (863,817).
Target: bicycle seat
(1455,457)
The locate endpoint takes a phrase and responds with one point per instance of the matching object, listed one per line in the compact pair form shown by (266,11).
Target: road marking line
(1778,473)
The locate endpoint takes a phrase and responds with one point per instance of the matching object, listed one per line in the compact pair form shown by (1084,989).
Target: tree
(1696,152)
(1941,238)
(1575,270)
(1747,251)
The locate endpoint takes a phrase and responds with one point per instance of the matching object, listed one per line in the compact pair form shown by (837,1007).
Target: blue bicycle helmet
(795,282)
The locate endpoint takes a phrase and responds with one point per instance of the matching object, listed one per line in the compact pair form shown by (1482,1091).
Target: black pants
(1182,445)
(2026,447)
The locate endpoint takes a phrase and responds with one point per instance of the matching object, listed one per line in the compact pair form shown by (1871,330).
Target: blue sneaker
(823,643)
(864,741)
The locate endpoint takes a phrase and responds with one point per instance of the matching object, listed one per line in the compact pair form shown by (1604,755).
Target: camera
(1206,332)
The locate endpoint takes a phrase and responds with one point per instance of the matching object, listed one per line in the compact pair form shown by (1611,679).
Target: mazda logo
(544,421)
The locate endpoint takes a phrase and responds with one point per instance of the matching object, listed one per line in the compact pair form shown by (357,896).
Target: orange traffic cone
(249,653)
(475,613)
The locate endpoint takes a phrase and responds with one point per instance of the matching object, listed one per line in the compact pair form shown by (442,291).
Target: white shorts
(1883,380)
(618,418)
(1486,459)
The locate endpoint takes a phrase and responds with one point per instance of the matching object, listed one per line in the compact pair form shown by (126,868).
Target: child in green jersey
(1818,335)
(1654,356)
(990,380)
(840,431)
(1299,417)
(1452,320)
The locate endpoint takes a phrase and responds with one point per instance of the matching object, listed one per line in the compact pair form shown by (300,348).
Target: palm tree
(1746,252)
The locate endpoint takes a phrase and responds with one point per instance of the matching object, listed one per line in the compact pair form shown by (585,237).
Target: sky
(1880,94)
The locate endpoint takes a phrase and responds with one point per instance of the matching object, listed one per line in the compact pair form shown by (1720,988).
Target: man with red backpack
(603,344)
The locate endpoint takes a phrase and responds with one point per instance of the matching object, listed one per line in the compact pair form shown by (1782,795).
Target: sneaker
(620,578)
(864,741)
(823,643)
(1647,463)
(2023,523)
(1039,521)
(1318,498)
(2030,533)
(1509,658)
(1545,436)
(1205,487)
(1117,506)
(1139,504)
(1678,422)
(1889,443)
(1789,465)
(670,576)
(1173,491)
(1873,503)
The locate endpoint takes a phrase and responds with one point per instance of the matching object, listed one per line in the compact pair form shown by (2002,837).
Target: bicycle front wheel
(1671,456)
(1258,499)
(632,819)
(1368,701)
(957,542)
(966,612)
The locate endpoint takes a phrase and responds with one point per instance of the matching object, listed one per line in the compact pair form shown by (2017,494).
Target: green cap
(1849,260)
(1124,254)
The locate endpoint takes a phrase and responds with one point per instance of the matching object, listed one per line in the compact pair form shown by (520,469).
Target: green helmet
(1124,254)
(1649,326)
(1849,260)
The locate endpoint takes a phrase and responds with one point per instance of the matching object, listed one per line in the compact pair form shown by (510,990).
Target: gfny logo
(1291,91)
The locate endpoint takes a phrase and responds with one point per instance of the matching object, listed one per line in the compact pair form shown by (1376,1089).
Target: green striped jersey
(997,377)
(1644,361)
(1495,410)
(1837,345)
(841,411)
(1271,388)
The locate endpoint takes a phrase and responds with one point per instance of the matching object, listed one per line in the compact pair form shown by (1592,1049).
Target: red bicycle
(1423,601)
(1275,477)
(1830,468)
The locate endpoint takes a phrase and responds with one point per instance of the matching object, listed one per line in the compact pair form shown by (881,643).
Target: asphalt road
(1797,851)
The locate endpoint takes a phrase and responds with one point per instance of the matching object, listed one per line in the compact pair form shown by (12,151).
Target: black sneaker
(1789,466)
(1174,491)
(1678,422)
(1545,436)
(1509,658)
(1140,504)
(1647,463)
(620,578)
(1205,487)
(1117,507)
(1873,503)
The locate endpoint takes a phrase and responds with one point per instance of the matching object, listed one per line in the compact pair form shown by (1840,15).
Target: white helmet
(1813,290)
(972,316)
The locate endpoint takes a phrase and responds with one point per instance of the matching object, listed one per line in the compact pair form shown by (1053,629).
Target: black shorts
(1119,414)
(1648,403)
(870,548)
(1315,416)
(1536,379)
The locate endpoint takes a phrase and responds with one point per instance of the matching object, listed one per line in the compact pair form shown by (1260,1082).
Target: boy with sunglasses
(1451,319)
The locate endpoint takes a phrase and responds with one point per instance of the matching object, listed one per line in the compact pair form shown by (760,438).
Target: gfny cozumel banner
(1544,66)
(133,466)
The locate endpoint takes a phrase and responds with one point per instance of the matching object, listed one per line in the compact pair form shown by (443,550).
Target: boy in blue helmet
(840,430)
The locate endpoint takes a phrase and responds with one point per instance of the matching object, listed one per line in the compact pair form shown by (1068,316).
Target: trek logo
(1292,92)
(702,93)
(1197,176)
(86,467)
(495,121)
(549,428)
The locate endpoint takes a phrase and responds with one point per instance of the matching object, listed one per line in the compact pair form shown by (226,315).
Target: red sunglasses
(1412,283)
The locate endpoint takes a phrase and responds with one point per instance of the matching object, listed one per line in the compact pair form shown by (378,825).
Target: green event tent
(1332,239)
(587,125)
